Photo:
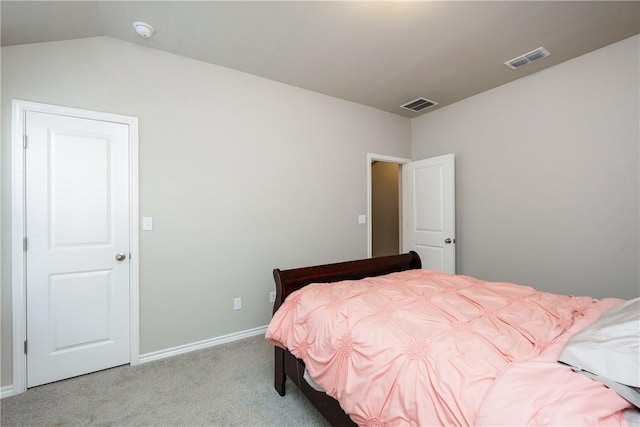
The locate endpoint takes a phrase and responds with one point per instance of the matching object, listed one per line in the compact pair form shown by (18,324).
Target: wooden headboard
(288,281)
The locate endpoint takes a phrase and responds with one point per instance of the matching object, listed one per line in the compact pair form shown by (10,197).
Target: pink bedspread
(424,348)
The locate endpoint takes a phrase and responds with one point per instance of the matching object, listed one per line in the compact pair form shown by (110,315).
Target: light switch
(362,219)
(147,223)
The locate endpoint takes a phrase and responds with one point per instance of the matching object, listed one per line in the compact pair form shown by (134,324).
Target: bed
(463,351)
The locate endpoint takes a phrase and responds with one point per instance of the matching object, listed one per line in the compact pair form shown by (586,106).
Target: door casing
(18,204)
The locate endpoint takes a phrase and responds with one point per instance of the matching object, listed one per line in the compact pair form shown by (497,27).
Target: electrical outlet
(237,303)
(272,296)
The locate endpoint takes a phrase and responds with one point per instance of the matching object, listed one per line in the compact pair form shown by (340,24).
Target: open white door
(429,211)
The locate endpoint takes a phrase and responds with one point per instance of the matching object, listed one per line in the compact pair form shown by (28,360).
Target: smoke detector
(527,58)
(143,29)
(418,104)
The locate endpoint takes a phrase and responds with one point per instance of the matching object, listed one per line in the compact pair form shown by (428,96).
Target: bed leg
(280,377)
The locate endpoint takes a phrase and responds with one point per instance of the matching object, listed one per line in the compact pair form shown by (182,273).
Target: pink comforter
(423,348)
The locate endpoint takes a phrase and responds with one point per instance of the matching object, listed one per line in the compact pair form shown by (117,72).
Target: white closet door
(77,259)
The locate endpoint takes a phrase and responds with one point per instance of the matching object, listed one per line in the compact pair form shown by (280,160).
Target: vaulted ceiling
(377,53)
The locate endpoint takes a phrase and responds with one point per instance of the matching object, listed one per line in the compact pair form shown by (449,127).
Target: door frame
(388,159)
(18,223)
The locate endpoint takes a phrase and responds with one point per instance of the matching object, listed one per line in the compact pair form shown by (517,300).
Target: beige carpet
(227,385)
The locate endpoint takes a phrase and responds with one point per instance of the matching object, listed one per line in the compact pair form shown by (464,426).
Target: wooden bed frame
(288,281)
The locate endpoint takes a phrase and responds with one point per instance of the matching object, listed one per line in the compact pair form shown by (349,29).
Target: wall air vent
(418,104)
(527,58)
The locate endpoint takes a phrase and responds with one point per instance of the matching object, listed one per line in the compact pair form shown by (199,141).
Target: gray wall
(241,175)
(547,175)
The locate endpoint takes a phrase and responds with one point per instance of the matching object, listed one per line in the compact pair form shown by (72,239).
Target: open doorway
(385,204)
(385,208)
(426,209)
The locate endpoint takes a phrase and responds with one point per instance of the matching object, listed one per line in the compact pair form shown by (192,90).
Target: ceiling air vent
(527,58)
(419,104)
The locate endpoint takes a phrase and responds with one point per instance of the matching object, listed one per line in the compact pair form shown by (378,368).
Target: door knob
(120,257)
(447,240)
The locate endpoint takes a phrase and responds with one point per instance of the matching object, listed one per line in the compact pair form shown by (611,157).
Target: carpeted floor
(227,385)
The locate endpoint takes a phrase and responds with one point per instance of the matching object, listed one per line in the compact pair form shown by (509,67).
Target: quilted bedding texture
(424,348)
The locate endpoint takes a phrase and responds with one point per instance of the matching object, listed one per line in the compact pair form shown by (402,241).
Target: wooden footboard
(288,281)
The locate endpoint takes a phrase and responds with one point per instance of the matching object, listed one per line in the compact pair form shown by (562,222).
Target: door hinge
(24,141)
(24,244)
(25,346)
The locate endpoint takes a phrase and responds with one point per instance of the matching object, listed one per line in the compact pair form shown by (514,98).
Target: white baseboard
(6,391)
(187,348)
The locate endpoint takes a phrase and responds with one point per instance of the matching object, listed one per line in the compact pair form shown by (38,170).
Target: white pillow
(610,347)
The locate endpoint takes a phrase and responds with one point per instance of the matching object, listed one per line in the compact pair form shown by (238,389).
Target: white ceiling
(381,54)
